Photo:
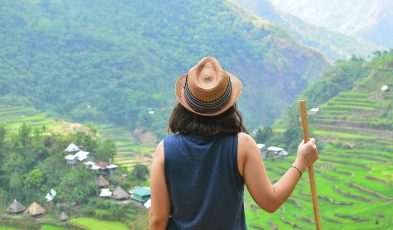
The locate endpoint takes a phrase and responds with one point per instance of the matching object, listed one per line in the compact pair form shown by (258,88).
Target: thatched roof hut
(15,207)
(102,182)
(63,216)
(120,194)
(35,209)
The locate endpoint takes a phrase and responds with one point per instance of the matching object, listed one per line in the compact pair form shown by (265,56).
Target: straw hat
(207,89)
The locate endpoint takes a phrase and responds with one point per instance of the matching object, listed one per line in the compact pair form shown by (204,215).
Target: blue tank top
(204,183)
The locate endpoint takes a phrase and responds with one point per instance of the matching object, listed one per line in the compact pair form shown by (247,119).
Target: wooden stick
(303,113)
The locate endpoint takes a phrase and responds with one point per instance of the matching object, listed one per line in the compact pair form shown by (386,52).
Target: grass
(52,227)
(95,224)
(8,228)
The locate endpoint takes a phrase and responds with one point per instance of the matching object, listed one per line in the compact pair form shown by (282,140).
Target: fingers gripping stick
(303,113)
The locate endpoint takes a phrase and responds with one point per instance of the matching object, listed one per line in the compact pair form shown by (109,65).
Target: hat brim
(236,91)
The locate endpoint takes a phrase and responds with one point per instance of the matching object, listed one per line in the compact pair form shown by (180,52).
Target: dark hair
(183,121)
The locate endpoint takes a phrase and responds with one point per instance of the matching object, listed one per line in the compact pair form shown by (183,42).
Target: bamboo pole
(303,113)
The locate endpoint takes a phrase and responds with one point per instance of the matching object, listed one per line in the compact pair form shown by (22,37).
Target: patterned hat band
(203,106)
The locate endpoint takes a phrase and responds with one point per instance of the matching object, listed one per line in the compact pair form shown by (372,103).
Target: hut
(277,152)
(120,194)
(35,210)
(50,195)
(111,169)
(63,216)
(147,204)
(141,194)
(72,148)
(89,163)
(71,159)
(102,165)
(385,88)
(15,207)
(105,193)
(263,150)
(102,182)
(313,111)
(82,155)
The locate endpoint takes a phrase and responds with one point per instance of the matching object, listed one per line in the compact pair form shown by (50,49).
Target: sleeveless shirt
(204,183)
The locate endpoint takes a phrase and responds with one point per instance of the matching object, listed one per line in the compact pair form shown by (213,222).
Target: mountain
(118,61)
(334,45)
(371,20)
(354,132)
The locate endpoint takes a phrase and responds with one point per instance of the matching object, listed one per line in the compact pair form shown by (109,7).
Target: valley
(102,75)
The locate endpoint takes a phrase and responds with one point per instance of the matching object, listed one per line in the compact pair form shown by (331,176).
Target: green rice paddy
(95,224)
(52,227)
(354,174)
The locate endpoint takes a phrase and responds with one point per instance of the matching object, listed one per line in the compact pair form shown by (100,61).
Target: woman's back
(203,182)
(198,173)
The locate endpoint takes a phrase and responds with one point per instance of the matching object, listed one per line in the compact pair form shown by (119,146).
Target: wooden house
(141,194)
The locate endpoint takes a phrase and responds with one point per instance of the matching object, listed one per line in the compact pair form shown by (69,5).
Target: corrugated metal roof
(141,191)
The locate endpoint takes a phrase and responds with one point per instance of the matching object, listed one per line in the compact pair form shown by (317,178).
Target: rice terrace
(88,90)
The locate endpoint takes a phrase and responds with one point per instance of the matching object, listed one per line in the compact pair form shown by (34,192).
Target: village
(102,170)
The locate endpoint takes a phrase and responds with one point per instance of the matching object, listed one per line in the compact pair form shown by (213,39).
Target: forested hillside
(353,129)
(118,60)
(333,45)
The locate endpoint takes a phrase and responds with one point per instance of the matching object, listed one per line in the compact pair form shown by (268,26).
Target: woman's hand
(307,154)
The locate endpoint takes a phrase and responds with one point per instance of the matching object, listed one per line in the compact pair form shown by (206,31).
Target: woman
(199,172)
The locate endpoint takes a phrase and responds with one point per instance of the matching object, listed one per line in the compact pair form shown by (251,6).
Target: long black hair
(183,121)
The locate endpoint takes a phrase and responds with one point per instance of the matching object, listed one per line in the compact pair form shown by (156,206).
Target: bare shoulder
(245,144)
(244,139)
(159,152)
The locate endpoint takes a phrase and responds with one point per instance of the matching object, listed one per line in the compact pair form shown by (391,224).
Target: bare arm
(160,202)
(267,196)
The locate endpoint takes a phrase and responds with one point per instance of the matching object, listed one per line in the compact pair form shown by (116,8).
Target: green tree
(3,132)
(140,172)
(292,137)
(106,151)
(23,135)
(35,178)
(263,135)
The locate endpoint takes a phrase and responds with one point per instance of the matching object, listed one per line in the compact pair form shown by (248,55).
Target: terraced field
(128,154)
(354,174)
(14,116)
